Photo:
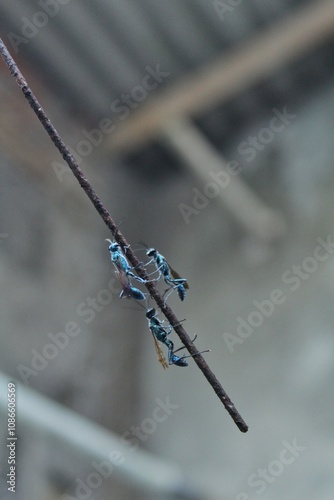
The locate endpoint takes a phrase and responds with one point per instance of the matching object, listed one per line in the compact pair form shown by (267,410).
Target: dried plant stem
(118,236)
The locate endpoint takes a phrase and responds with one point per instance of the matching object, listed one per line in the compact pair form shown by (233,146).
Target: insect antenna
(143,244)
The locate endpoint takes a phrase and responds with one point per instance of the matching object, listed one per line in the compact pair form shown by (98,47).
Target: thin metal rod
(118,236)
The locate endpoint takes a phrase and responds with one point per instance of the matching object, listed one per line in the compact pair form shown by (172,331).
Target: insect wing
(160,354)
(128,291)
(124,282)
(178,277)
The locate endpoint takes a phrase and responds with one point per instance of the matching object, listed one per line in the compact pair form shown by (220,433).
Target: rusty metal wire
(118,236)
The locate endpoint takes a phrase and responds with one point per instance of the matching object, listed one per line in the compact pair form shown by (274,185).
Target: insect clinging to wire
(170,276)
(120,261)
(161,334)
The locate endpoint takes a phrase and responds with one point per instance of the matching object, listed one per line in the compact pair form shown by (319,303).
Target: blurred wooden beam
(247,208)
(242,67)
(137,467)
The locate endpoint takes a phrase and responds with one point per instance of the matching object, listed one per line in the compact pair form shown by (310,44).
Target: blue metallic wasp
(170,276)
(120,261)
(161,334)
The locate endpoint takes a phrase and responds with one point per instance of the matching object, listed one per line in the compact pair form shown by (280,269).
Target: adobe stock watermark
(223,8)
(293,279)
(263,477)
(31,27)
(57,342)
(131,440)
(121,108)
(248,148)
